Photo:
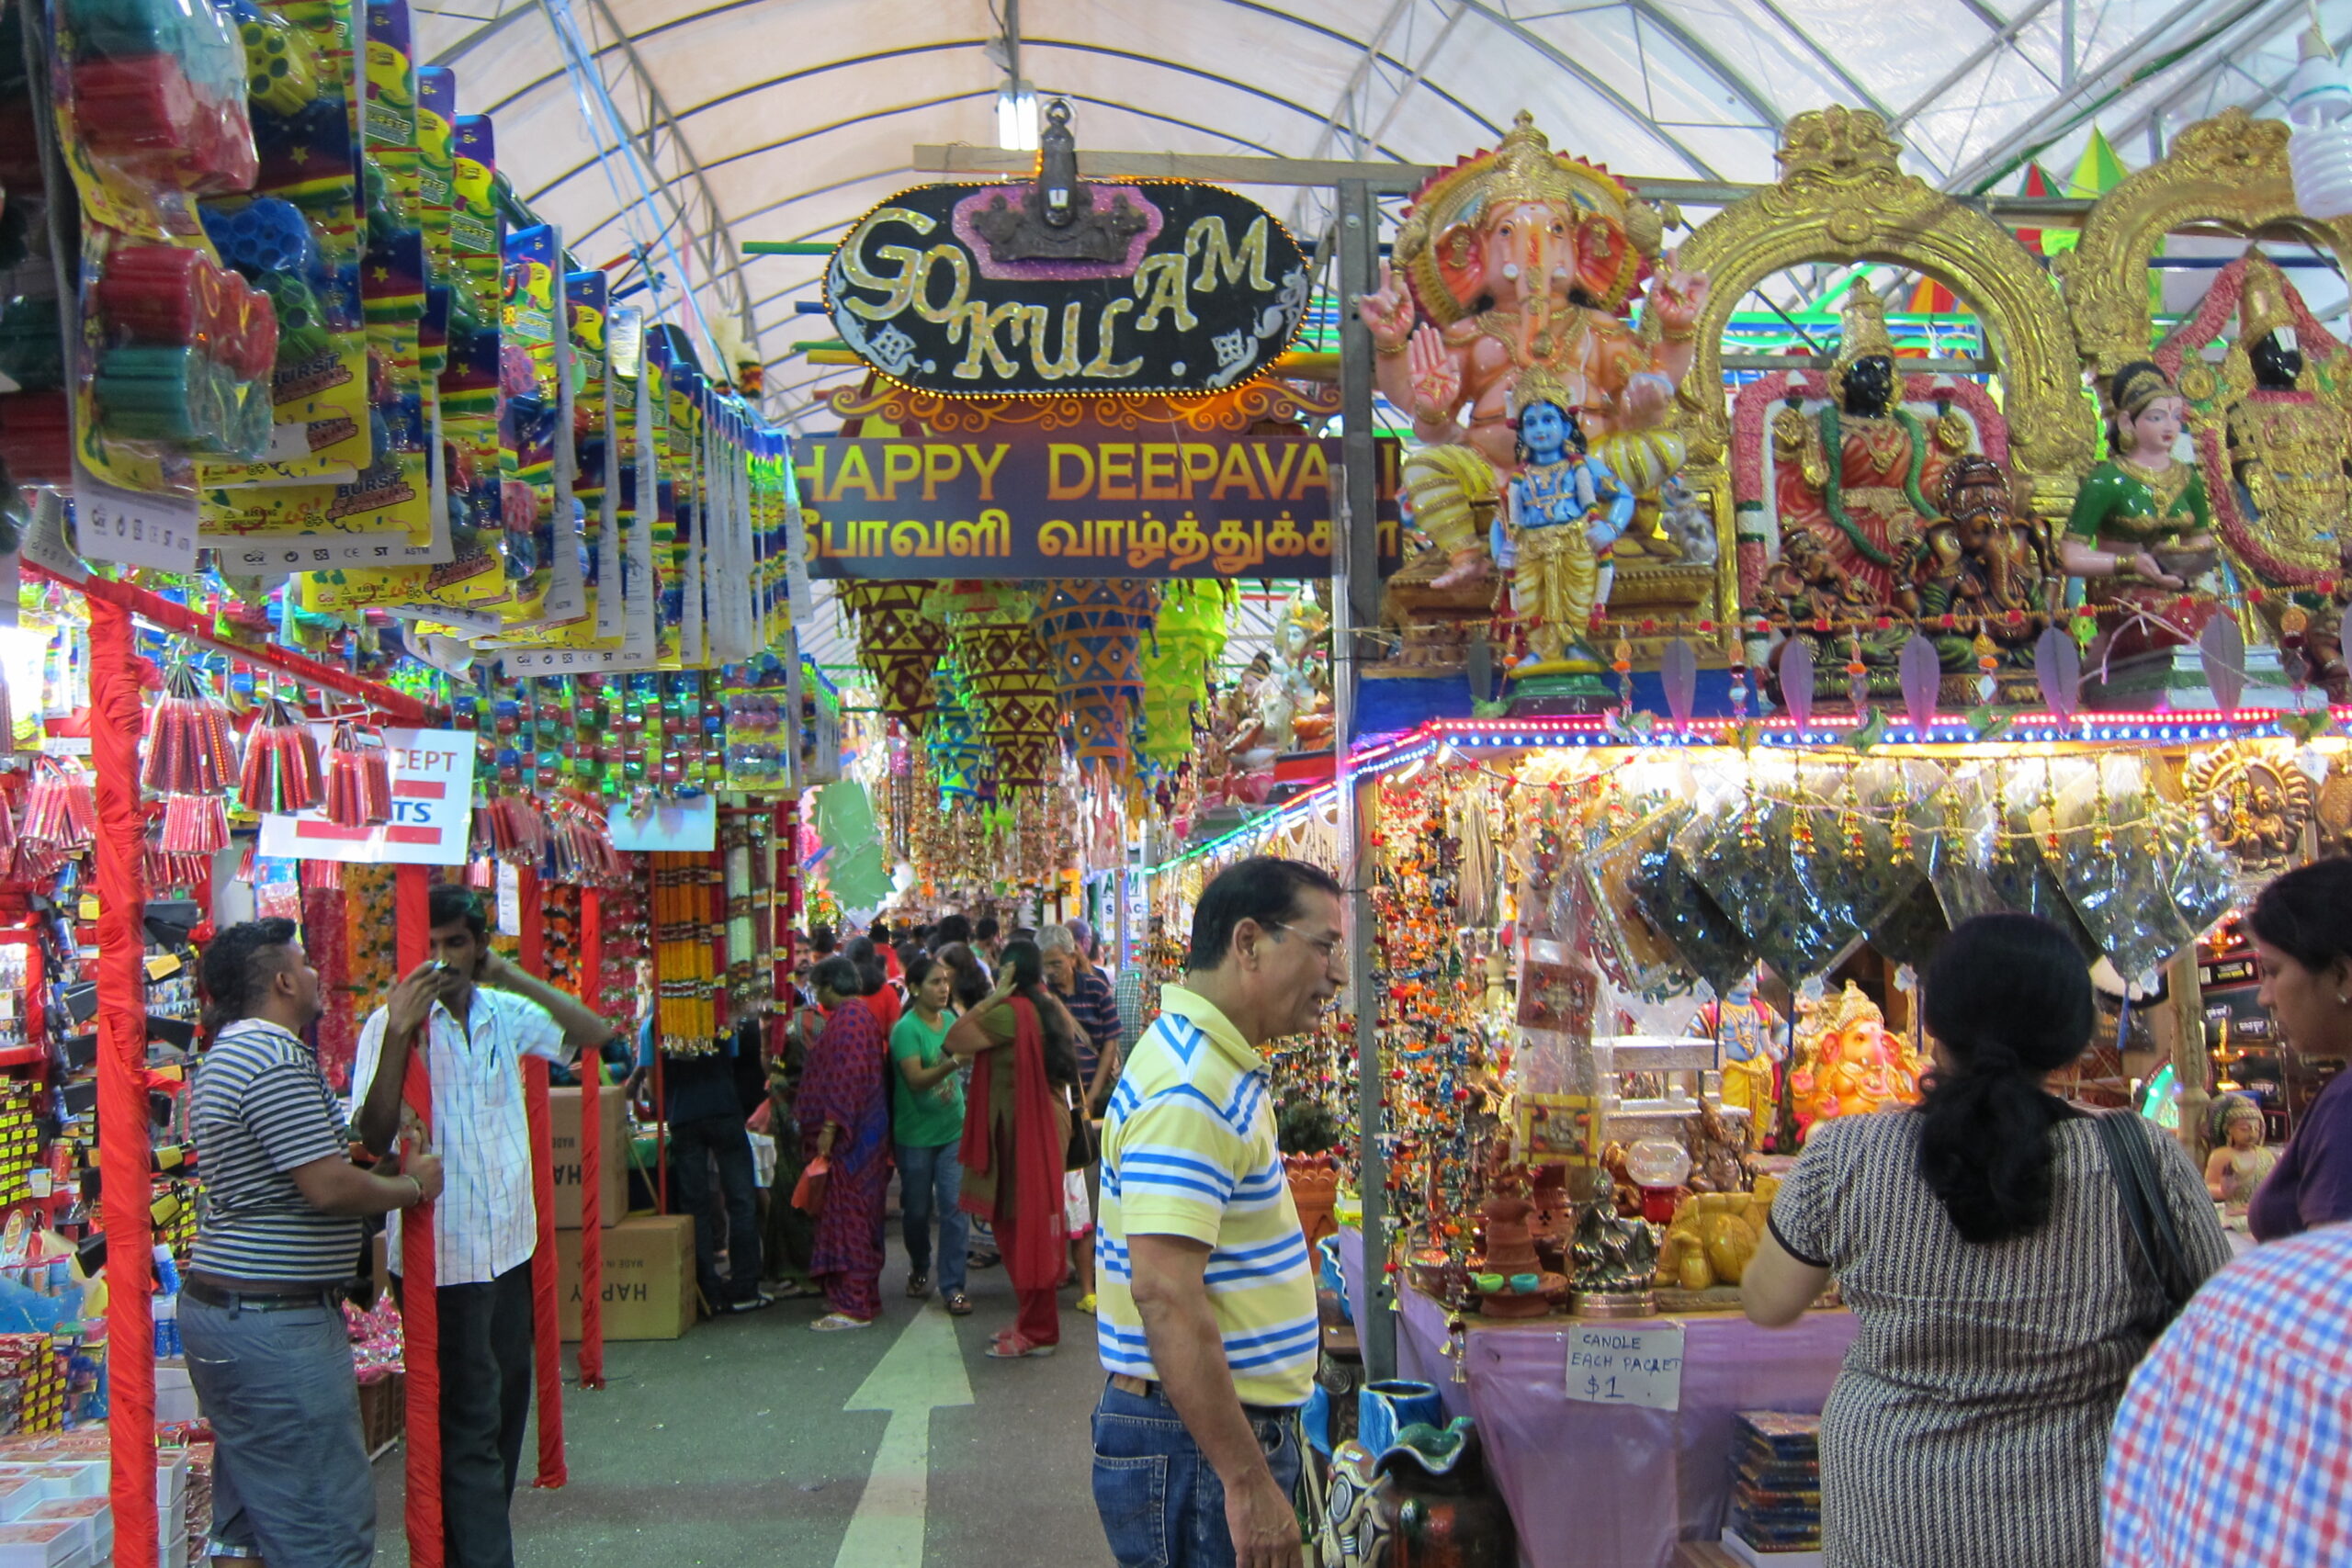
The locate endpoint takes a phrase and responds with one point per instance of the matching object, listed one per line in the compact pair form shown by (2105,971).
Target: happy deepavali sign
(1019,501)
(1163,287)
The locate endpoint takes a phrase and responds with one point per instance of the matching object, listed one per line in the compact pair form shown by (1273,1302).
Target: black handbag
(2131,1157)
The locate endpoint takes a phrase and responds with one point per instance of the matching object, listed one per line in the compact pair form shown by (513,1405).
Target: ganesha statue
(1514,262)
(1849,1062)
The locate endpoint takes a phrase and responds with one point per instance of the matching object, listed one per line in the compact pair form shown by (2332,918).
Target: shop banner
(1147,286)
(433,797)
(1021,501)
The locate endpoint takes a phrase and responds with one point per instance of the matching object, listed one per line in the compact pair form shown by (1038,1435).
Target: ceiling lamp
(1016,118)
(2319,152)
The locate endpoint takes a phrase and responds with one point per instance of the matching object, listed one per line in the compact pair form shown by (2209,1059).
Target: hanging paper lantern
(1011,679)
(1094,628)
(1186,642)
(900,644)
(953,738)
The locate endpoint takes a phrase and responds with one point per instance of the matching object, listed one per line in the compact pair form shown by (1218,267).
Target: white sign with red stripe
(433,793)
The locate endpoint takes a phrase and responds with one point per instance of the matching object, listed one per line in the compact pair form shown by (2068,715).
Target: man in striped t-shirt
(278,1235)
(1207,1320)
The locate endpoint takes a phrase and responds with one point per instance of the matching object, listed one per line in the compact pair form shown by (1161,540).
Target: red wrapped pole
(591,1149)
(420,1303)
(547,1327)
(125,1151)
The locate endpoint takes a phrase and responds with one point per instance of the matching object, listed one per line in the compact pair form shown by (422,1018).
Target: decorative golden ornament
(1843,196)
(1234,411)
(2332,806)
(2230,170)
(2253,801)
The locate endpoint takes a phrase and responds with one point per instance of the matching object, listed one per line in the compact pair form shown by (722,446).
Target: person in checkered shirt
(475,1016)
(2233,1447)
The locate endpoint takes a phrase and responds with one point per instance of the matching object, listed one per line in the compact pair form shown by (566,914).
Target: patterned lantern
(1094,628)
(1008,676)
(899,643)
(953,739)
(1185,644)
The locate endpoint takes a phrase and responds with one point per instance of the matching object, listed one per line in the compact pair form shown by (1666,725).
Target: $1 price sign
(1612,1365)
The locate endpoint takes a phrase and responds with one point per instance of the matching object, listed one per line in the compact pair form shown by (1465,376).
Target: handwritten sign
(1612,1364)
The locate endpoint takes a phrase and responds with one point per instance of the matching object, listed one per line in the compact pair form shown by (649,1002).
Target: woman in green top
(2141,533)
(927,1122)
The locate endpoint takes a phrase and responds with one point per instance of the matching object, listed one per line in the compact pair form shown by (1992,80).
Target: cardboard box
(649,1278)
(563,1135)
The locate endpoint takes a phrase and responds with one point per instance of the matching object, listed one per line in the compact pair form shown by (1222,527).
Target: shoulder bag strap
(2132,1158)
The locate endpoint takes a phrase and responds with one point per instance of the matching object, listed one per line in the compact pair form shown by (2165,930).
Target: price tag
(45,544)
(1614,1365)
(130,526)
(510,900)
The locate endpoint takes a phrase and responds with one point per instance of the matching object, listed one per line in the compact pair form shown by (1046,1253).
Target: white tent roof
(784,120)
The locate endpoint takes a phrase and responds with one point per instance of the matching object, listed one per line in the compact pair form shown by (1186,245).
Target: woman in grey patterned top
(1980,1242)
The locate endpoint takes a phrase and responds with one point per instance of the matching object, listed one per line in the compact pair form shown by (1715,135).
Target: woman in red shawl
(844,1114)
(1016,1130)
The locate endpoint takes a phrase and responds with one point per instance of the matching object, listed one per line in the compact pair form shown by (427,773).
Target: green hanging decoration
(1184,648)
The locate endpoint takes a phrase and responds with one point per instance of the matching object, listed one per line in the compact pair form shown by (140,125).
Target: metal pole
(1355,610)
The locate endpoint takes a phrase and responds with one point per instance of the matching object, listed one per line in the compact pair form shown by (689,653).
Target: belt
(329,1296)
(1144,1388)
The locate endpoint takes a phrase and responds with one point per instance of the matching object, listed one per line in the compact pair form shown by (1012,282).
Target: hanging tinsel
(194,825)
(358,777)
(281,771)
(191,749)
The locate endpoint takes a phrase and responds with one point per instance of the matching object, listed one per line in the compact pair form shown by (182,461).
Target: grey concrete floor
(730,1446)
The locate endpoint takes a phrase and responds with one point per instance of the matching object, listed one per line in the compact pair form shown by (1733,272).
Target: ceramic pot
(1436,1506)
(1384,1409)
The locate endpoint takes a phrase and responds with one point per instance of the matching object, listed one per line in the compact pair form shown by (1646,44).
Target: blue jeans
(1161,1502)
(930,1177)
(291,1482)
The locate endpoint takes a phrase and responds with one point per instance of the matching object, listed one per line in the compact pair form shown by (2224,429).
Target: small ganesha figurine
(1850,1064)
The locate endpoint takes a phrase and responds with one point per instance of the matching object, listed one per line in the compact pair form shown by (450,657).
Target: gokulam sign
(1021,501)
(1154,286)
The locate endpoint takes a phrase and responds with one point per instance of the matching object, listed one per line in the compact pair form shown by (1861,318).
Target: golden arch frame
(1842,198)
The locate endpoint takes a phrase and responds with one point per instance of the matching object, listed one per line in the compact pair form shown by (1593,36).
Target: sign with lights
(1054,290)
(1085,500)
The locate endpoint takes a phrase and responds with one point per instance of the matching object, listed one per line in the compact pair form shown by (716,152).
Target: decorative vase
(1313,1192)
(1436,1506)
(1387,1408)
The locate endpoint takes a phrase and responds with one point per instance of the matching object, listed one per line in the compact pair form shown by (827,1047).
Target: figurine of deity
(1859,473)
(2142,532)
(1750,1045)
(1567,513)
(2289,451)
(1981,562)
(2239,1165)
(1516,260)
(1850,1064)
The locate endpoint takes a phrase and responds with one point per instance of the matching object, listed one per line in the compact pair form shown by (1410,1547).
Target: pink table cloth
(1612,1486)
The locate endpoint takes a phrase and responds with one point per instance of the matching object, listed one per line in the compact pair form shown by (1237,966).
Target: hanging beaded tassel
(281,771)
(191,749)
(358,777)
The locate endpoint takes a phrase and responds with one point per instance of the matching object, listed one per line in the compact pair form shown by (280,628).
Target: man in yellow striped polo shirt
(1206,1317)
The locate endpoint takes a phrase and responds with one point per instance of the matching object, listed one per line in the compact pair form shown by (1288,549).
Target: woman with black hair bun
(1979,1240)
(2302,926)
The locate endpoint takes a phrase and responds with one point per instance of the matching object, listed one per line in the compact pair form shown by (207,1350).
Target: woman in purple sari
(845,1112)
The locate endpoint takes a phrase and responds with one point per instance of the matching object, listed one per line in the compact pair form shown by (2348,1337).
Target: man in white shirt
(477,1016)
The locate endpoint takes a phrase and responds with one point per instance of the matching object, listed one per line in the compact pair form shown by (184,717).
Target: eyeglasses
(1328,946)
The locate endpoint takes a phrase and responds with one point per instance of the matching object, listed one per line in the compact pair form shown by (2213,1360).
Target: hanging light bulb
(1016,118)
(2319,153)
